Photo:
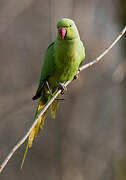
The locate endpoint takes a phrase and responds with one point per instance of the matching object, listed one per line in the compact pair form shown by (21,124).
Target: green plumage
(62,60)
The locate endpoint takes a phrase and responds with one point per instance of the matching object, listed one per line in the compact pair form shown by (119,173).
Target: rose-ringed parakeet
(62,60)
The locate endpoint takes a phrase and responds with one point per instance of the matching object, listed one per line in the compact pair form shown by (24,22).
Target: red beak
(62,32)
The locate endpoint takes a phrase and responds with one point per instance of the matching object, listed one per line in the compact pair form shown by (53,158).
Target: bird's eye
(70,25)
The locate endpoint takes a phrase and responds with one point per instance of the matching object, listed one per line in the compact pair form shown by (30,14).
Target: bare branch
(54,97)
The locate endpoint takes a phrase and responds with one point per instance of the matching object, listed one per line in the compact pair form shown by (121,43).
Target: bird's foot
(76,75)
(62,87)
(51,91)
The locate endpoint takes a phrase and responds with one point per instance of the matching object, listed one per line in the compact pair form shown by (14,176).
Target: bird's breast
(66,51)
(67,59)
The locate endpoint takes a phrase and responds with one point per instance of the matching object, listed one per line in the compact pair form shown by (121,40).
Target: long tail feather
(24,156)
(54,108)
(35,131)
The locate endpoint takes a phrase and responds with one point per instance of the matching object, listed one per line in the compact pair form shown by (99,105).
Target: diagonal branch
(54,97)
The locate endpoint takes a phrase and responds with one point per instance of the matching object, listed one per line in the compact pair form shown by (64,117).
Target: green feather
(54,108)
(62,60)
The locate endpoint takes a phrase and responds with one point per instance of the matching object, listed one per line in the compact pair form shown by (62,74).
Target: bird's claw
(76,75)
(62,87)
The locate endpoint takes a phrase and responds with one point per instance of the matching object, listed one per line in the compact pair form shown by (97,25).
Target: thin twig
(54,97)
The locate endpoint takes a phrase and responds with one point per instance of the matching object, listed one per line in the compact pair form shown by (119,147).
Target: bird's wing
(47,68)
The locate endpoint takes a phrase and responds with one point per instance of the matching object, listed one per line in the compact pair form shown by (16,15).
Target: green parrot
(61,63)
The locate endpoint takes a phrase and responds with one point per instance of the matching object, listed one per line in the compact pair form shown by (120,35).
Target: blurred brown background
(87,140)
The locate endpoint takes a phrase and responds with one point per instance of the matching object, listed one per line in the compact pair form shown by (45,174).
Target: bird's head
(67,29)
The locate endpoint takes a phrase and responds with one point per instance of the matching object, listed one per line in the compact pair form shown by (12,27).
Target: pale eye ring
(70,25)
